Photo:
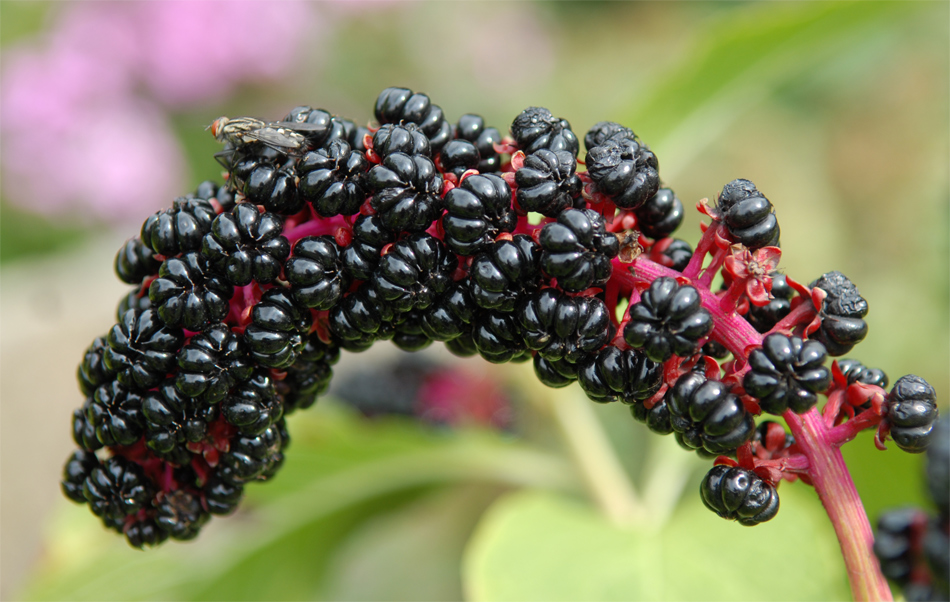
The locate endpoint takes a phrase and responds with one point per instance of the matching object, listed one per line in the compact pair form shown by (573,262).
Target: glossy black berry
(912,413)
(135,261)
(559,327)
(668,320)
(748,215)
(179,513)
(189,293)
(246,245)
(253,406)
(116,414)
(625,170)
(477,211)
(319,124)
(142,349)
(462,345)
(715,350)
(275,189)
(765,317)
(117,488)
(142,532)
(408,331)
(361,257)
(897,532)
(414,272)
(450,314)
(178,229)
(458,157)
(505,272)
(614,374)
(660,215)
(332,179)
(856,372)
(604,131)
(657,418)
(277,328)
(173,419)
(938,467)
(401,105)
(404,138)
(211,363)
(554,373)
(498,338)
(84,431)
(221,496)
(77,469)
(252,457)
(547,183)
(787,373)
(842,326)
(740,495)
(577,249)
(407,190)
(93,372)
(472,128)
(676,254)
(309,376)
(705,414)
(536,128)
(315,272)
(136,299)
(361,318)
(209,190)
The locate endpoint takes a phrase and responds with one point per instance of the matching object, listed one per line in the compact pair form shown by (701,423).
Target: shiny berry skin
(894,542)
(136,299)
(361,319)
(409,332)
(660,215)
(400,138)
(252,457)
(536,128)
(188,293)
(319,124)
(141,533)
(912,413)
(625,170)
(614,374)
(179,513)
(211,363)
(116,414)
(221,496)
(675,254)
(361,257)
(657,418)
(332,179)
(842,326)
(173,419)
(77,469)
(407,190)
(559,327)
(274,188)
(748,215)
(84,431)
(315,272)
(472,128)
(276,331)
(459,156)
(502,274)
(787,373)
(604,131)
(547,183)
(395,105)
(93,372)
(765,317)
(253,406)
(668,320)
(577,250)
(117,488)
(705,414)
(135,261)
(554,373)
(740,495)
(309,376)
(209,190)
(178,229)
(450,314)
(463,345)
(856,372)
(477,211)
(938,467)
(142,349)
(498,339)
(414,271)
(246,245)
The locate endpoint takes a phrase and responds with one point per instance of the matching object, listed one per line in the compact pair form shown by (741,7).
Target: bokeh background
(837,111)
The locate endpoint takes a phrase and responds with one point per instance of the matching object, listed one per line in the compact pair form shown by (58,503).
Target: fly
(286,137)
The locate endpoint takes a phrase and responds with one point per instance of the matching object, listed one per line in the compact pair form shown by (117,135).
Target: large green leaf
(539,546)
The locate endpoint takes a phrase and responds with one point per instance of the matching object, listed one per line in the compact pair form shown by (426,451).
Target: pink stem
(315,228)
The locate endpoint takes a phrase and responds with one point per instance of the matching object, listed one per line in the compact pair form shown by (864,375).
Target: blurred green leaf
(25,234)
(541,546)
(21,19)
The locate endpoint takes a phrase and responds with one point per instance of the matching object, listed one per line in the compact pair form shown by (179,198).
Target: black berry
(740,495)
(668,320)
(787,373)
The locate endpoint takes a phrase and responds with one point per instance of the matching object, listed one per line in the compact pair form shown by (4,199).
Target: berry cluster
(329,236)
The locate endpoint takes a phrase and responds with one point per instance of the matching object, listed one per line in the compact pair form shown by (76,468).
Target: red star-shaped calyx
(752,270)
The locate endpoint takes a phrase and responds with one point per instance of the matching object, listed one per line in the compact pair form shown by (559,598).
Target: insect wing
(281,139)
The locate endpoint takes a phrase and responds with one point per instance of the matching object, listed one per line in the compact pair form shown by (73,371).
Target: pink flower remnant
(81,109)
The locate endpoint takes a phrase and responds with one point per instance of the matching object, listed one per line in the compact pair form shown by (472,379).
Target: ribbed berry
(603,131)
(253,406)
(450,314)
(209,190)
(554,373)
(179,513)
(912,413)
(143,532)
(246,245)
(116,414)
(502,275)
(361,318)
(408,331)
(211,363)
(674,254)
(660,215)
(361,257)
(472,128)
(178,229)
(77,469)
(477,211)
(345,129)
(414,271)
(315,272)
(536,128)
(740,495)
(93,372)
(319,124)
(407,190)
(117,488)
(136,299)
(309,376)
(399,105)
(614,374)
(173,419)
(84,431)
(189,293)
(547,183)
(938,467)
(856,372)
(894,543)
(404,138)
(462,345)
(765,317)
(252,457)
(705,414)
(748,215)
(332,179)
(135,261)
(668,320)
(842,326)
(221,496)
(577,249)
(625,170)
(142,349)
(277,328)
(787,373)
(657,418)
(275,188)
(558,326)
(498,338)
(458,156)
